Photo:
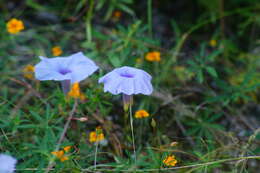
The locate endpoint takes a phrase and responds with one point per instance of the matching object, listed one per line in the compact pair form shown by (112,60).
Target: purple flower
(74,68)
(7,163)
(128,81)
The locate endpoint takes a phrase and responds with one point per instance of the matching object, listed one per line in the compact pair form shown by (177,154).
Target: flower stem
(132,130)
(95,159)
(65,84)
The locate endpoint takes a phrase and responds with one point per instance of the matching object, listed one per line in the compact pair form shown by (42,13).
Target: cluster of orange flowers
(75,92)
(14,26)
(61,153)
(170,161)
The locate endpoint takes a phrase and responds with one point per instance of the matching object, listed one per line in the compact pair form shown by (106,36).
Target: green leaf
(126,9)
(212,71)
(200,76)
(114,60)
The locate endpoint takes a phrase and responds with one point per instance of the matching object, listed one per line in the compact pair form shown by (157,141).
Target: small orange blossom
(14,26)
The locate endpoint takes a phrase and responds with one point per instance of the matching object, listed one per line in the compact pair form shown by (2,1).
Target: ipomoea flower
(74,68)
(7,163)
(128,81)
(69,70)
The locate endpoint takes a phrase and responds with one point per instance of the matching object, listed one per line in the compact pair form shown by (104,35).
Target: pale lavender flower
(7,163)
(74,68)
(69,70)
(128,81)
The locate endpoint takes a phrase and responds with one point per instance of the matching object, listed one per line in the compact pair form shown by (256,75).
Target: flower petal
(73,68)
(127,80)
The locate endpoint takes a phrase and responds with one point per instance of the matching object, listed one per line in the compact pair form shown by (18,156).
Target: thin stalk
(88,21)
(95,160)
(132,130)
(149,16)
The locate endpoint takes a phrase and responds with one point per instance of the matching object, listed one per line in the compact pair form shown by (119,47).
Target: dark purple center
(127,75)
(64,71)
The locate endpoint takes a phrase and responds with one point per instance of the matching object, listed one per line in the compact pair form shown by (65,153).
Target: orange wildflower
(141,114)
(75,92)
(56,51)
(153,56)
(170,161)
(67,148)
(60,155)
(28,71)
(96,136)
(117,15)
(14,26)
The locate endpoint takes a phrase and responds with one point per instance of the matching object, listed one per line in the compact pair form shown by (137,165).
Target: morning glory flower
(69,70)
(128,81)
(7,163)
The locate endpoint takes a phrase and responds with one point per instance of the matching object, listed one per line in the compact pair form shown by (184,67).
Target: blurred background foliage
(206,97)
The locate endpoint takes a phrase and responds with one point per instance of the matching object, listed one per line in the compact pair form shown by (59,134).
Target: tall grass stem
(132,131)
(95,159)
(88,21)
(149,16)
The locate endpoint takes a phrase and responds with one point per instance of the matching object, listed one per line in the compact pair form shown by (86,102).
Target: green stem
(132,130)
(88,21)
(149,15)
(95,160)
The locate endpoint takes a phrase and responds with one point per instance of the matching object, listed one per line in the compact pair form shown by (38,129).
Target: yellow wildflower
(14,26)
(28,71)
(141,114)
(56,51)
(153,56)
(170,161)
(139,60)
(96,136)
(213,43)
(75,92)
(60,155)
(182,73)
